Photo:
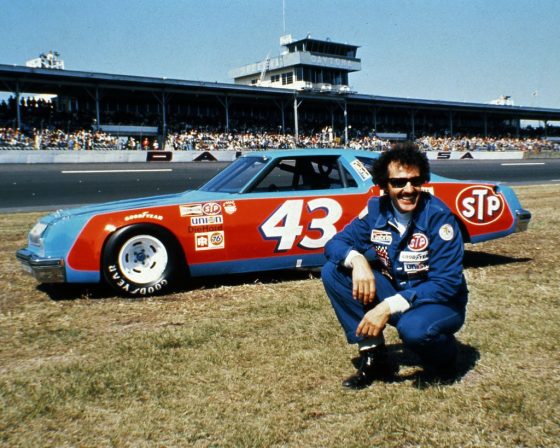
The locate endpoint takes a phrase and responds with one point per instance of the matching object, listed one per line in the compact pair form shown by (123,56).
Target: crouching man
(399,262)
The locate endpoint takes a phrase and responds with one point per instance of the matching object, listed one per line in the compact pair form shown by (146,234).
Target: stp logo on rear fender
(479,205)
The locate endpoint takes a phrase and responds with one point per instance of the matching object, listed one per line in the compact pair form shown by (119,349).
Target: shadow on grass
(403,359)
(475,259)
(73,291)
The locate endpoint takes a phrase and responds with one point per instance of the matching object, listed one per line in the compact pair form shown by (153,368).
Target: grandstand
(155,108)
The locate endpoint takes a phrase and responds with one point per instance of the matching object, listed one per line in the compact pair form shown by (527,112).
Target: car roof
(307,152)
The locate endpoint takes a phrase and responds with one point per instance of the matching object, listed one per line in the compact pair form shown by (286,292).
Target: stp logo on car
(479,205)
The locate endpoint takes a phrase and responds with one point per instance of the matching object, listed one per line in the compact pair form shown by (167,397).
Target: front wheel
(141,260)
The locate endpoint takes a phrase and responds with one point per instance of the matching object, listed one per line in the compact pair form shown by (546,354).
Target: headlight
(36,233)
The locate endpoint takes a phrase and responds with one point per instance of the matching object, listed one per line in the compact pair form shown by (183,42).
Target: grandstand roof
(68,82)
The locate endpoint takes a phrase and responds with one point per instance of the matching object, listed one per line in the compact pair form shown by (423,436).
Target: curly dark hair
(406,154)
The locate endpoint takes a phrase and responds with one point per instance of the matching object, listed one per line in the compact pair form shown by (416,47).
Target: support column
(18,109)
(163,102)
(345,124)
(225,103)
(97,112)
(282,105)
(296,121)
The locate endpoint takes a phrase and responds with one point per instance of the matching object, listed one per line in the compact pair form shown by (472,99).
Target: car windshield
(233,178)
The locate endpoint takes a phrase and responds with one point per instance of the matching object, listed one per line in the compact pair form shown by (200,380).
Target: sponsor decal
(209,240)
(413,256)
(428,190)
(479,205)
(143,215)
(190,210)
(446,232)
(229,207)
(414,268)
(381,237)
(418,242)
(360,169)
(211,208)
(194,229)
(208,209)
(206,220)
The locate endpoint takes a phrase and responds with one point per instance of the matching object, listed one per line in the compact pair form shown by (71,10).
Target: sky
(454,50)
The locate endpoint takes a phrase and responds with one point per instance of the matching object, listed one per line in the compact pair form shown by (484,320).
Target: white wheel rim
(143,259)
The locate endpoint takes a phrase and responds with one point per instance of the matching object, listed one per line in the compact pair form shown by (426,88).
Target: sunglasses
(400,182)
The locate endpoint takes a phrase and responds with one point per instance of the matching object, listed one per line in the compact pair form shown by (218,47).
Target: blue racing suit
(424,265)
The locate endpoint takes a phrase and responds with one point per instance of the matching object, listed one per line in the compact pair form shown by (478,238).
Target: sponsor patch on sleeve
(446,232)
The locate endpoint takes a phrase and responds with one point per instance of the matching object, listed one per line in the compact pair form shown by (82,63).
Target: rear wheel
(141,260)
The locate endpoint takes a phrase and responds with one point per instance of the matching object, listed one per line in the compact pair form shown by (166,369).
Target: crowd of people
(209,139)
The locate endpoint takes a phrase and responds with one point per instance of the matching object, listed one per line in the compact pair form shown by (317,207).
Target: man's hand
(363,281)
(374,321)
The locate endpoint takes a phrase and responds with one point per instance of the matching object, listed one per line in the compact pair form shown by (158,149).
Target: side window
(305,174)
(350,181)
(279,178)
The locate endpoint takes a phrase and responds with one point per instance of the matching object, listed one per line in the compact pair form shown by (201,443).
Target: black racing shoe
(373,365)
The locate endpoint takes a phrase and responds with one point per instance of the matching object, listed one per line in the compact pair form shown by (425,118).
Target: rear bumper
(522,217)
(45,270)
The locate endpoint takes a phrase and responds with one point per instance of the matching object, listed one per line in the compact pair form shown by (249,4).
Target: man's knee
(333,277)
(414,335)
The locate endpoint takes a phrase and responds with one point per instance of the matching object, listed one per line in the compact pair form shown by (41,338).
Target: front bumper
(45,270)
(523,217)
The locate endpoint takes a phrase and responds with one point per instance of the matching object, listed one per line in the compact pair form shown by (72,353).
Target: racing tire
(141,260)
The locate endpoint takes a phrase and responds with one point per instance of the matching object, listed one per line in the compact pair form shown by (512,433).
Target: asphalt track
(43,187)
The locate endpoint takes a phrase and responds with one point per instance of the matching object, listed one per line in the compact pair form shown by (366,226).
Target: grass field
(257,362)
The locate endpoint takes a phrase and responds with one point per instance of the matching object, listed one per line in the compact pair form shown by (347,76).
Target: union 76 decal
(479,205)
(285,224)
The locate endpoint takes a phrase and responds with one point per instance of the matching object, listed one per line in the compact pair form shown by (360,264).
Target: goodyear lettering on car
(144,215)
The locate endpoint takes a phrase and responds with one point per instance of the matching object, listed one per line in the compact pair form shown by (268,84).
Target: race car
(265,211)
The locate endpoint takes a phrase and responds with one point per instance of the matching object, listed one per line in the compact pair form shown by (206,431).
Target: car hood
(132,204)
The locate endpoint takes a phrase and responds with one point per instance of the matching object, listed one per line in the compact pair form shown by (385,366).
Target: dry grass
(258,363)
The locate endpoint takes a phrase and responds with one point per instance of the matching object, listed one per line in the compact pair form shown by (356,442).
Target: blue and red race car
(265,211)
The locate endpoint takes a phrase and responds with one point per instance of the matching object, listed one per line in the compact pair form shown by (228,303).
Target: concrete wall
(48,156)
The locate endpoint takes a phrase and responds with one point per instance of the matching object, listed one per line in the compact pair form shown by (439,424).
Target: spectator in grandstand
(207,138)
